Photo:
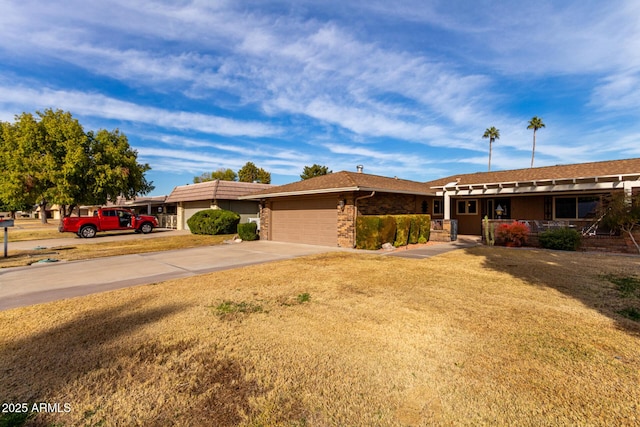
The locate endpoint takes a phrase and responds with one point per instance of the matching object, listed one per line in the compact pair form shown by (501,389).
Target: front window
(576,207)
(467,207)
(437,207)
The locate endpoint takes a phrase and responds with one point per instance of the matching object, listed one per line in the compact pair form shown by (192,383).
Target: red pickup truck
(107,219)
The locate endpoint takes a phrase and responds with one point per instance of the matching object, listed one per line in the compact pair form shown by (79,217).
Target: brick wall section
(390,204)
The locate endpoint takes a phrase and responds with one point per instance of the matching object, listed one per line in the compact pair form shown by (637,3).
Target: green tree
(535,123)
(622,212)
(48,158)
(492,133)
(221,174)
(250,173)
(113,169)
(314,170)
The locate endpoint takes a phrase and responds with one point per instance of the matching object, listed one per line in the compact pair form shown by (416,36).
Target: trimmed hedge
(387,229)
(368,232)
(248,231)
(564,239)
(425,228)
(372,231)
(403,227)
(213,221)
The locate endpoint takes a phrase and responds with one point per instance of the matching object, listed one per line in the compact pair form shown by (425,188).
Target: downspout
(355,214)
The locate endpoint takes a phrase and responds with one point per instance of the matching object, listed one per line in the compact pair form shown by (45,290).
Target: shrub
(425,228)
(564,239)
(248,231)
(213,221)
(414,229)
(403,226)
(514,234)
(387,229)
(368,232)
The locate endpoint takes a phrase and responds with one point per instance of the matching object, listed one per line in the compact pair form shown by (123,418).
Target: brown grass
(487,336)
(104,249)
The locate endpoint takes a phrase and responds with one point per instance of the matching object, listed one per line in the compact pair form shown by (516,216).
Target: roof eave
(333,190)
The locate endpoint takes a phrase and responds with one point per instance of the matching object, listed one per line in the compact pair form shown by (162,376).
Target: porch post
(447,204)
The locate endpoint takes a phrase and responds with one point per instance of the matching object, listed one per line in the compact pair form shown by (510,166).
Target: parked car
(107,219)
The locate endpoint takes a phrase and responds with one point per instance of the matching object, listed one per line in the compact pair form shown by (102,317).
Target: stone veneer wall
(346,225)
(265,215)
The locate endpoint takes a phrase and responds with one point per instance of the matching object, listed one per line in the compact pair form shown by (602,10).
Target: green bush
(368,232)
(425,228)
(403,226)
(414,229)
(213,221)
(248,231)
(564,239)
(387,229)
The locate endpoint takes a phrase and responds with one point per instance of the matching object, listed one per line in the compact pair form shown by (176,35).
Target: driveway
(40,283)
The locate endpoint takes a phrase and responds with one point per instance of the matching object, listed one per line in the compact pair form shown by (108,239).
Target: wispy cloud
(91,104)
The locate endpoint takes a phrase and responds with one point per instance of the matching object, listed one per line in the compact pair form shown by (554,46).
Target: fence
(167,221)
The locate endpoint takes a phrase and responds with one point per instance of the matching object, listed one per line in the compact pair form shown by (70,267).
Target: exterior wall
(529,207)
(246,209)
(390,204)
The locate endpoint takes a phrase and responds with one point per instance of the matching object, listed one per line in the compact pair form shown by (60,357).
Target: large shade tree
(47,158)
(492,133)
(535,123)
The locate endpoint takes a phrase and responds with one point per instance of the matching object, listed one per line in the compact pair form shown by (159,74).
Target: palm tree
(535,123)
(492,133)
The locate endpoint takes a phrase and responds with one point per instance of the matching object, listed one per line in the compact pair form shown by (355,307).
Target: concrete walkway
(38,283)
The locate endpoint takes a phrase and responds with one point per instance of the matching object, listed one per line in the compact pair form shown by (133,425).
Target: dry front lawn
(486,336)
(110,248)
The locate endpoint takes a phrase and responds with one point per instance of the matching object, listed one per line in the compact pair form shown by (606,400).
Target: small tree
(250,173)
(313,171)
(222,174)
(622,212)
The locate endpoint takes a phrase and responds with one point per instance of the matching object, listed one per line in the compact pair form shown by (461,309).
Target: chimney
(359,168)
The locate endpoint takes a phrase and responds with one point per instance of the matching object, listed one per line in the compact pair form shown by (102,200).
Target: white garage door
(190,208)
(311,221)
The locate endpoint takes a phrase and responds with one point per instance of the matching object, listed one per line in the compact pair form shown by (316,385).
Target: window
(576,207)
(109,213)
(437,207)
(467,207)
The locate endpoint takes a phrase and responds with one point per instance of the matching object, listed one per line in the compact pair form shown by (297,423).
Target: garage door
(190,208)
(311,221)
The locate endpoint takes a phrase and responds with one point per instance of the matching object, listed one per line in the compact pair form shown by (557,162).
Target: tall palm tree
(492,133)
(535,123)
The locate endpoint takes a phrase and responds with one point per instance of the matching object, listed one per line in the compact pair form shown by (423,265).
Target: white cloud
(89,104)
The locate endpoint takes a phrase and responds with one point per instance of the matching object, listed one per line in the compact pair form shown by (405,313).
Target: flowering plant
(514,234)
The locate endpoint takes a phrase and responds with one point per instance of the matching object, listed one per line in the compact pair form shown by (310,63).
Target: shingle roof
(214,190)
(345,181)
(581,170)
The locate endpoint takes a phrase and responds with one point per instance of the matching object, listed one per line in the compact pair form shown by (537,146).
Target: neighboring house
(553,193)
(215,195)
(323,210)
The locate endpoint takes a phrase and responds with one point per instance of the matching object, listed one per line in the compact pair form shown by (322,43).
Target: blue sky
(405,88)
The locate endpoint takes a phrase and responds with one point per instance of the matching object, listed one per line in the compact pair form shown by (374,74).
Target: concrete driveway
(39,283)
